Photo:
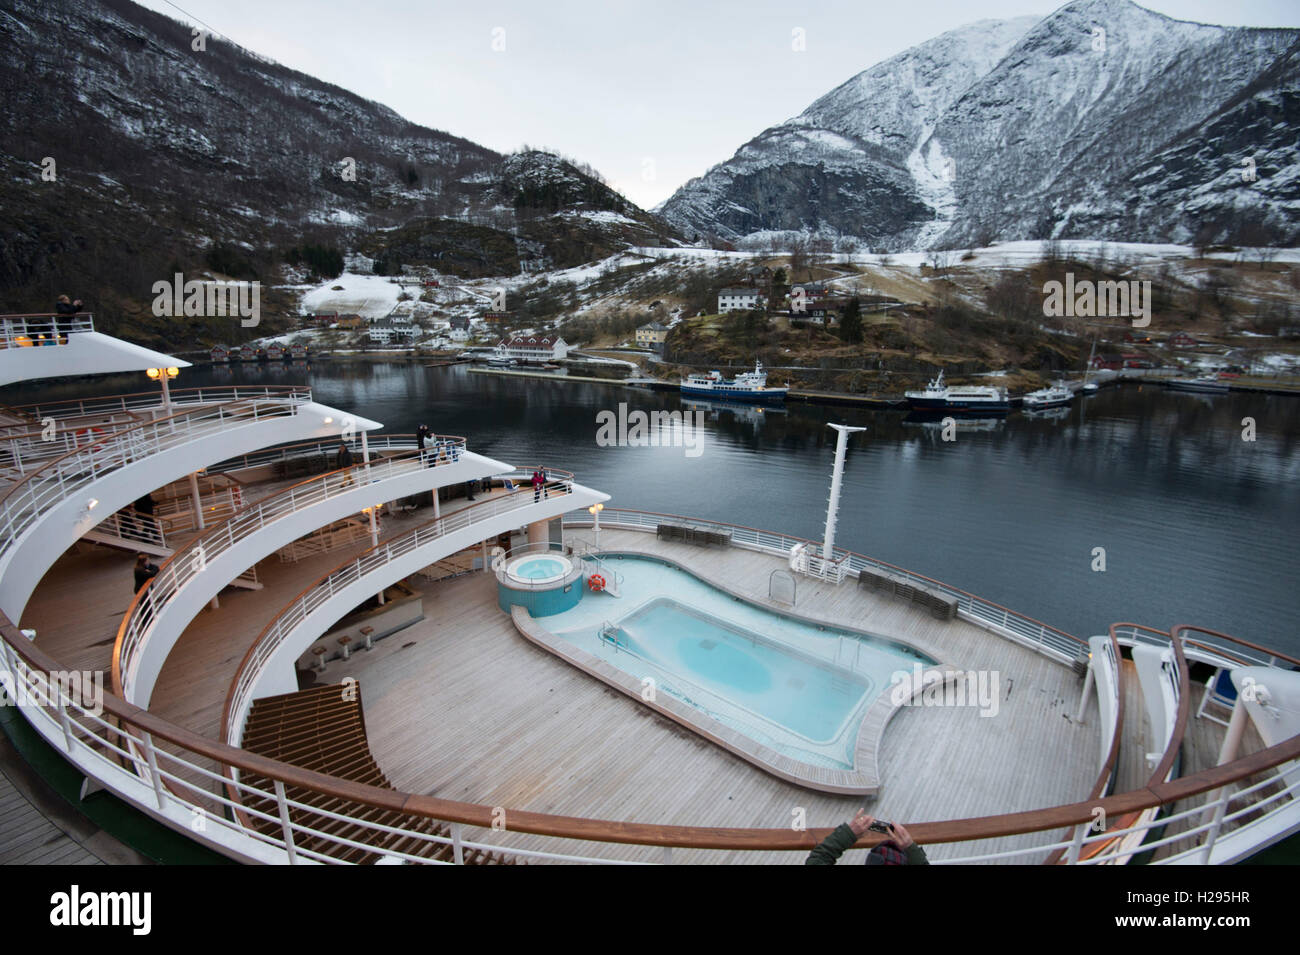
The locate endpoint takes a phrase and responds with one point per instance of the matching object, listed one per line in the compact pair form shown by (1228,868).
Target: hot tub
(544,583)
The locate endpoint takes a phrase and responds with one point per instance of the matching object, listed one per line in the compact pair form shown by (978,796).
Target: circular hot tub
(539,569)
(543,582)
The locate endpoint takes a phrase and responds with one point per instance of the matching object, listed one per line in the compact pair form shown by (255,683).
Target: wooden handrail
(204,534)
(1112,756)
(1223,636)
(252,649)
(115,435)
(173,392)
(692,837)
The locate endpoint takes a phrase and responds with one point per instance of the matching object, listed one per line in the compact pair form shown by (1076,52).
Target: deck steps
(322,728)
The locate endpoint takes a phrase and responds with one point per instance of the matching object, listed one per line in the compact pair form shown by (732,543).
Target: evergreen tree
(851,323)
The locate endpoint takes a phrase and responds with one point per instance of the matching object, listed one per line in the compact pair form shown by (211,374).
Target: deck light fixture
(594,511)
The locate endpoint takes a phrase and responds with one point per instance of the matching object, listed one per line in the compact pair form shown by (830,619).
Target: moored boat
(750,386)
(963,398)
(1053,396)
(1205,384)
(219,354)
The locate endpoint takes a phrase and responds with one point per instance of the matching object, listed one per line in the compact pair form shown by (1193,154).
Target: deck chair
(1219,692)
(508,484)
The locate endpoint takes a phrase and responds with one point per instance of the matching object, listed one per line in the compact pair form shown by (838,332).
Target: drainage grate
(708,644)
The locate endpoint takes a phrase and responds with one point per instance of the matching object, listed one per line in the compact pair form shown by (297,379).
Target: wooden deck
(461,706)
(464,708)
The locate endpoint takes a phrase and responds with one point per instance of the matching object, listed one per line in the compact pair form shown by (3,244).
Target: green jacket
(841,841)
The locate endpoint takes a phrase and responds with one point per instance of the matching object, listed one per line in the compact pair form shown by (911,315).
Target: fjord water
(1196,524)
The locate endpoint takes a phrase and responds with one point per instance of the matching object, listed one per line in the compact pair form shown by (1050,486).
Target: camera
(879,825)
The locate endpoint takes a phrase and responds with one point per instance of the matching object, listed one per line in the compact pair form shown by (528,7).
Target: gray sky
(651,93)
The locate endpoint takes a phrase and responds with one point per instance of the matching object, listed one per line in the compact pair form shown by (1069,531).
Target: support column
(197,500)
(539,532)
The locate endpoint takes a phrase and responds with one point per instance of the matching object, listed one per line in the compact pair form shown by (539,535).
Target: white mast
(837,475)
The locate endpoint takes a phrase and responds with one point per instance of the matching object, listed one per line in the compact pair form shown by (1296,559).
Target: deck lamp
(594,511)
(162,375)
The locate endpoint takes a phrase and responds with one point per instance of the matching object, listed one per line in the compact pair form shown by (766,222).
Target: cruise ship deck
(467,734)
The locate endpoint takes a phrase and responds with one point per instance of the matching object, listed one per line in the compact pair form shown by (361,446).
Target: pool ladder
(609,633)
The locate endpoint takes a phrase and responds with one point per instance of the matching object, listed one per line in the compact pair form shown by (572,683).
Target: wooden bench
(940,605)
(700,536)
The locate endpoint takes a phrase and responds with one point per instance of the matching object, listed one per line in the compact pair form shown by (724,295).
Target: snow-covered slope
(1080,124)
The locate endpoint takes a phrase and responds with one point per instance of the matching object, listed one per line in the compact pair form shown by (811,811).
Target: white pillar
(197,500)
(837,476)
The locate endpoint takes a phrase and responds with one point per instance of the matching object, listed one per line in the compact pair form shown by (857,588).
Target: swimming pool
(797,687)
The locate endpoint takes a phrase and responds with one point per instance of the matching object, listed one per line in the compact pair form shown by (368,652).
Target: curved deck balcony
(52,507)
(48,346)
(268,667)
(211,559)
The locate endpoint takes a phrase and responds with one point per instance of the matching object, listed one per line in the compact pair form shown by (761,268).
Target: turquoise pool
(797,687)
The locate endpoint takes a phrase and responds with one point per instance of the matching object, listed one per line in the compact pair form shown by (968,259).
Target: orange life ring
(596,582)
(90,434)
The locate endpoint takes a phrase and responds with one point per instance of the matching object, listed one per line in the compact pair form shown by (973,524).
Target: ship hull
(957,406)
(767,396)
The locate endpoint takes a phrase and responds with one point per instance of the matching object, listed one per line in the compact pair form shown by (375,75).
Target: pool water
(797,687)
(538,568)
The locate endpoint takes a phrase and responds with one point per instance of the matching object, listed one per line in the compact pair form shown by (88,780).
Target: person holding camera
(899,849)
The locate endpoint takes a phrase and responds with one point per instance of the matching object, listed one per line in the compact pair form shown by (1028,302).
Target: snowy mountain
(163,148)
(1103,120)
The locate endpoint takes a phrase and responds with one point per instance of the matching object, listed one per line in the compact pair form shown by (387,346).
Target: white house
(738,299)
(385,331)
(534,348)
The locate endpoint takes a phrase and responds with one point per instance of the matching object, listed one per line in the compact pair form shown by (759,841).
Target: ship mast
(837,475)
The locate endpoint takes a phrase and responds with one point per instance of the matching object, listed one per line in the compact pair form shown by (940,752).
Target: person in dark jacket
(145,525)
(343,459)
(144,571)
(900,849)
(66,307)
(422,435)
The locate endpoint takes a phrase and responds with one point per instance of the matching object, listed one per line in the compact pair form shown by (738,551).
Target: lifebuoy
(596,582)
(89,434)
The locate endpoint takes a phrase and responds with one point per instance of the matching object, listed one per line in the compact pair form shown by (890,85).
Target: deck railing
(29,331)
(192,559)
(298,449)
(75,470)
(104,736)
(180,397)
(1057,644)
(385,552)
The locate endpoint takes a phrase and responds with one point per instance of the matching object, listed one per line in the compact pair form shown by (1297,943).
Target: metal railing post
(1081,830)
(146,740)
(1216,824)
(458,851)
(283,805)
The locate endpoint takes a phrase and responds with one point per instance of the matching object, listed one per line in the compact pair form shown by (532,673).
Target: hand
(860,823)
(902,837)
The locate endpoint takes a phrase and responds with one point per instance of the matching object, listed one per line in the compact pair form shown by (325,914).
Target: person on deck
(144,571)
(343,459)
(899,849)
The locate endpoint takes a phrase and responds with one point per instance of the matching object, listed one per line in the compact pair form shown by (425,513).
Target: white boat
(748,386)
(974,398)
(1056,394)
(1205,384)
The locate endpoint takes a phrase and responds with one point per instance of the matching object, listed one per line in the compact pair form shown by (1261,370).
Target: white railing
(182,784)
(131,528)
(500,562)
(63,477)
(323,540)
(180,398)
(189,562)
(34,331)
(1055,643)
(294,615)
(286,452)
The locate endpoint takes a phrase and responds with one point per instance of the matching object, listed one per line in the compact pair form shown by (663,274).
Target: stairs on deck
(323,729)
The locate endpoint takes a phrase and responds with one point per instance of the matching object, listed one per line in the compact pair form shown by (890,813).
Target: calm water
(1198,526)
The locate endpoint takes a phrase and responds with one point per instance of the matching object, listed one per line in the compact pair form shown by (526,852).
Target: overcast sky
(650,92)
